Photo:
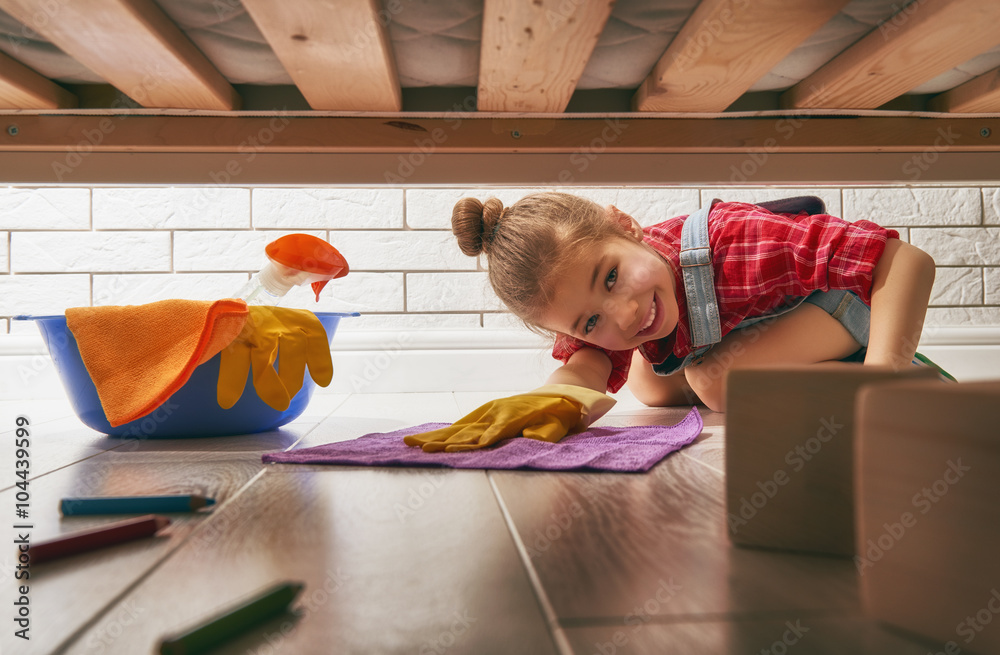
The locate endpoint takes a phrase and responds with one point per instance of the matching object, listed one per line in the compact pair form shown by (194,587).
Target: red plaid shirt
(762,262)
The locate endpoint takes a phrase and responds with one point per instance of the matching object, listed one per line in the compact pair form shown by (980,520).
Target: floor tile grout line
(72,638)
(558,635)
(5,433)
(703,463)
(127,441)
(318,423)
(67,465)
(715,617)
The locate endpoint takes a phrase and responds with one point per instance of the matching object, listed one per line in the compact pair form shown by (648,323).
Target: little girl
(669,309)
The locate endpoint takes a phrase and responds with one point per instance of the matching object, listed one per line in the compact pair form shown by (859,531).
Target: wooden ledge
(467,133)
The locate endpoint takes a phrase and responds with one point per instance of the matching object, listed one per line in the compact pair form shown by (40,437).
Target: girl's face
(620,295)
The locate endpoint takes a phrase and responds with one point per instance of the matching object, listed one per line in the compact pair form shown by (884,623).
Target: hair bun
(473,223)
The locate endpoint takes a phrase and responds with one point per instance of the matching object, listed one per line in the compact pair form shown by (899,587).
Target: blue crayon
(133,505)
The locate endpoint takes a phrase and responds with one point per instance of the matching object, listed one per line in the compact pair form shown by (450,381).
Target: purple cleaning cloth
(624,450)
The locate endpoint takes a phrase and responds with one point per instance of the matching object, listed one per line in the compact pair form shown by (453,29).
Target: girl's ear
(626,222)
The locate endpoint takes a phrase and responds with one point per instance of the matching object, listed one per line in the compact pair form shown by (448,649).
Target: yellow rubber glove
(295,334)
(548,413)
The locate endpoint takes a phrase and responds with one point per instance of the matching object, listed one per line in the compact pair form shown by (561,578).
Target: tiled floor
(418,561)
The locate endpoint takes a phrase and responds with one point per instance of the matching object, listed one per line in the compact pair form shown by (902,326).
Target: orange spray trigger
(318,286)
(306,258)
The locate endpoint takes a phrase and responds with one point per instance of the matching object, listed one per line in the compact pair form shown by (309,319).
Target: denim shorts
(845,306)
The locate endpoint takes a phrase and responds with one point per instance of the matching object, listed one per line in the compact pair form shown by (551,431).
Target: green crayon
(232,621)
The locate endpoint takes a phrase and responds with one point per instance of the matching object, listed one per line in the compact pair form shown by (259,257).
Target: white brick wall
(914,206)
(991,206)
(84,252)
(958,286)
(139,288)
(410,250)
(960,246)
(224,250)
(64,247)
(450,292)
(44,209)
(43,294)
(167,208)
(343,209)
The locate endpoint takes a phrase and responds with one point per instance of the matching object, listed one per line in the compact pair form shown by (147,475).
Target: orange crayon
(107,535)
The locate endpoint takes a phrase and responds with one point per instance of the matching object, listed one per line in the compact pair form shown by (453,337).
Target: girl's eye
(609,283)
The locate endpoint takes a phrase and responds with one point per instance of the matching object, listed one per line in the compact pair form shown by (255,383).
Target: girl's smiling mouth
(653,321)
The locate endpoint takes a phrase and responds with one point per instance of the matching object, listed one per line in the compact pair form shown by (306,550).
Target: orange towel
(139,355)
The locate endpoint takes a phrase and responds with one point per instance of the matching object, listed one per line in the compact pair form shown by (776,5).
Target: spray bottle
(294,260)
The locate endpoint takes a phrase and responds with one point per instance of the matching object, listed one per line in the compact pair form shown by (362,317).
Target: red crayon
(107,535)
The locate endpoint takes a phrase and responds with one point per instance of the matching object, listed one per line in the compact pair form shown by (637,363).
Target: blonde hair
(530,244)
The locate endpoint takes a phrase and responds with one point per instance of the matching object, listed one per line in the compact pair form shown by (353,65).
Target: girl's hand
(548,413)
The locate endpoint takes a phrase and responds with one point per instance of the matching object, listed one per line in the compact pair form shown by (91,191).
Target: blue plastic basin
(192,411)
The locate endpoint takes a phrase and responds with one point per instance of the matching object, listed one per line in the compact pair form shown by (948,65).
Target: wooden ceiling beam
(134,46)
(921,41)
(533,53)
(23,88)
(980,94)
(338,53)
(724,47)
(751,141)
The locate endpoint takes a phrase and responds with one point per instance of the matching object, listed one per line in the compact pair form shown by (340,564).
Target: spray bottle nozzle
(303,258)
(295,259)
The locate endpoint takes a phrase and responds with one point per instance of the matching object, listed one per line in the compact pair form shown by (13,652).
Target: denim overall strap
(699,282)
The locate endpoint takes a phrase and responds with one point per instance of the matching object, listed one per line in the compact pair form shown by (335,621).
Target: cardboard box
(790,453)
(928,488)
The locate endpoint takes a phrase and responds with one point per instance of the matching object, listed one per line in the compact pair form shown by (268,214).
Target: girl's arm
(901,289)
(587,367)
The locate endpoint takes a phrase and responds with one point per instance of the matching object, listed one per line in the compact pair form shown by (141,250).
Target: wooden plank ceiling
(935,37)
(726,46)
(532,53)
(23,88)
(338,54)
(134,46)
